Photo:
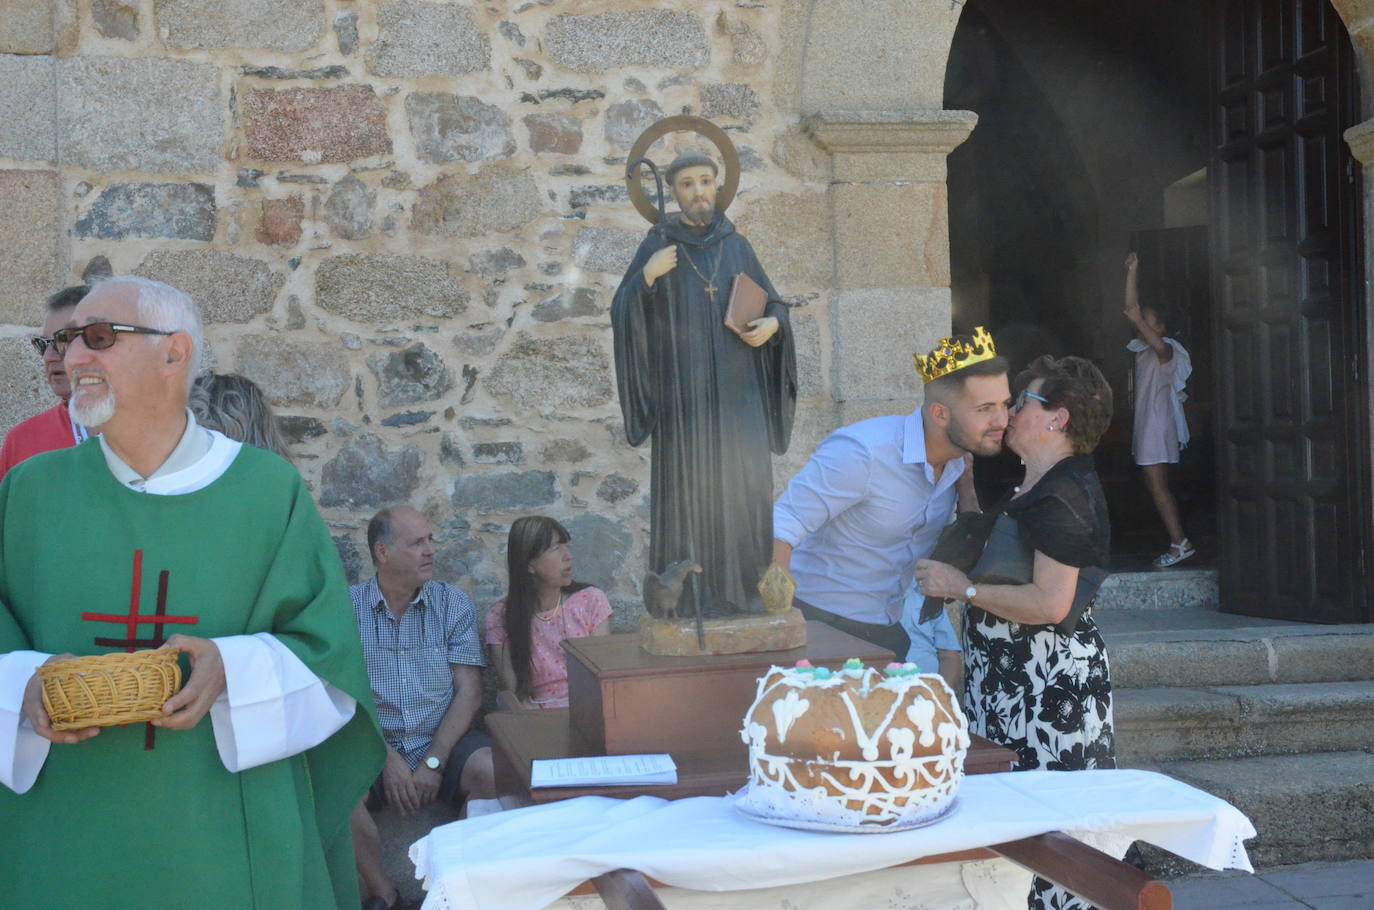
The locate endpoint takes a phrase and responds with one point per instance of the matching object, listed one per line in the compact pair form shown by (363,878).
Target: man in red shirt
(52,429)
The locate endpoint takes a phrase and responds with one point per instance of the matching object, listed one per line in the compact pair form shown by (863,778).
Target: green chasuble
(111,823)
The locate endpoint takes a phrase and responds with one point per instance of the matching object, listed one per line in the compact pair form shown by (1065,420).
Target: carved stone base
(730,635)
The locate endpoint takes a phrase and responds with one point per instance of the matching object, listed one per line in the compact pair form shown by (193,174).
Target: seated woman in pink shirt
(543,606)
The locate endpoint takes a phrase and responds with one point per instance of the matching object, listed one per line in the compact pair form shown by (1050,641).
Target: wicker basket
(109,689)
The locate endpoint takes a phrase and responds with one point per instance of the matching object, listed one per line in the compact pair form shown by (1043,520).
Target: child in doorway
(1162,368)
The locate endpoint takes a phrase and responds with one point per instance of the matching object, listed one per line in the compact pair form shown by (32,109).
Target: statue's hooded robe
(716,409)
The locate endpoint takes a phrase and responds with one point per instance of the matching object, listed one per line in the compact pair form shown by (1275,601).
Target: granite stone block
(371,288)
(278,25)
(148,211)
(115,18)
(315,125)
(28,26)
(416,38)
(23,390)
(348,210)
(31,253)
(511,491)
(279,221)
(457,128)
(568,371)
(28,108)
(175,105)
(643,38)
(226,287)
(495,199)
(365,474)
(605,249)
(295,373)
(410,375)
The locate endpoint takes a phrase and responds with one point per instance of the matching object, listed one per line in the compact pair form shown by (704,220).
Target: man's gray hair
(689,159)
(161,306)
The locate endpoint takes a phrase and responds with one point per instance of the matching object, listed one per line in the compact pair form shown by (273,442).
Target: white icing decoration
(903,744)
(786,711)
(921,712)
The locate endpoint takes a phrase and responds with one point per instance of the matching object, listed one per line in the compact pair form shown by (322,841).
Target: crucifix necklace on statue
(715,266)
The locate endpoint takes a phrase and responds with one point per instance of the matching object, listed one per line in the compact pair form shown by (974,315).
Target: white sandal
(1176,553)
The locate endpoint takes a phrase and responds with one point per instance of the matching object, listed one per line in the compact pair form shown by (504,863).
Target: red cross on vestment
(158,620)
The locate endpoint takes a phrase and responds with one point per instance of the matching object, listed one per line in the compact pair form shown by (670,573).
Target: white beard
(92,413)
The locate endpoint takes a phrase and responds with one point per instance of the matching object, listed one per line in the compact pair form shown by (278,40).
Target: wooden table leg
(1091,874)
(626,889)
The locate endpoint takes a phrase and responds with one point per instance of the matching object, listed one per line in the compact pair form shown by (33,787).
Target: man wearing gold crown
(876,494)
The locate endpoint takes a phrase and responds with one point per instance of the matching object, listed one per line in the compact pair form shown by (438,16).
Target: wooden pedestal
(623,700)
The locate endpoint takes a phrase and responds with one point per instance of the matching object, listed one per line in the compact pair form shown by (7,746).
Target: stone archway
(867,81)
(1358,16)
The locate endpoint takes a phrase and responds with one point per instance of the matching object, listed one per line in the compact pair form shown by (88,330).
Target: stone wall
(405,220)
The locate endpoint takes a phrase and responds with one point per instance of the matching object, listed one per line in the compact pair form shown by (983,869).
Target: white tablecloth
(526,858)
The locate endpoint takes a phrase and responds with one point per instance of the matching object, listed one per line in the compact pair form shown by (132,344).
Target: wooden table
(522,736)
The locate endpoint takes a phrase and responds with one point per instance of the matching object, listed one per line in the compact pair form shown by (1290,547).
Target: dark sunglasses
(40,344)
(98,335)
(1027,393)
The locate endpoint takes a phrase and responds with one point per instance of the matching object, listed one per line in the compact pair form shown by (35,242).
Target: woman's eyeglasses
(98,335)
(1027,393)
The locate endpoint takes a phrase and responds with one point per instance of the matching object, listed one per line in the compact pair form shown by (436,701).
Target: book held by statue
(747,302)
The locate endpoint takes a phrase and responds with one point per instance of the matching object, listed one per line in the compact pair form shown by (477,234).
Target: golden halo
(684,124)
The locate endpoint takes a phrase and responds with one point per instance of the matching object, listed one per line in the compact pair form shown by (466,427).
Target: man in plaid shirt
(424,660)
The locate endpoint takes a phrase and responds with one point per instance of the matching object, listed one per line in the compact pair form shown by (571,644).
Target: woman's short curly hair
(1078,386)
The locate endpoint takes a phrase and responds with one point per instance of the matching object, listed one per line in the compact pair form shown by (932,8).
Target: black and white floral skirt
(1046,696)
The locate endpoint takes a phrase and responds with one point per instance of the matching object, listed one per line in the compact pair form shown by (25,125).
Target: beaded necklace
(715,267)
(553,614)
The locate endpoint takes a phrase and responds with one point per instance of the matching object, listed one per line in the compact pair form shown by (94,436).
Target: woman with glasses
(1035,667)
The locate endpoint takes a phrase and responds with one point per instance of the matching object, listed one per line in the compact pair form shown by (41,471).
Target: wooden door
(1293,501)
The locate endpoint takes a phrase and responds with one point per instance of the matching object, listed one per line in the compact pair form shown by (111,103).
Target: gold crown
(952,355)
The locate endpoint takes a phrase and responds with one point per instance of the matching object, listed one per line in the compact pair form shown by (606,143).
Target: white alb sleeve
(273,707)
(22,751)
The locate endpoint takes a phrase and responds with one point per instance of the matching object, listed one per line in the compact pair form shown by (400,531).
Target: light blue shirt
(928,639)
(861,512)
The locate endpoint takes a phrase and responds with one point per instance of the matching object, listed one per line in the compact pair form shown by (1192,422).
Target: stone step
(1159,589)
(1191,654)
(1167,724)
(1311,807)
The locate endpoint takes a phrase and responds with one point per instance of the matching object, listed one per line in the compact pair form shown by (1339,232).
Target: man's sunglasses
(1027,393)
(98,335)
(40,344)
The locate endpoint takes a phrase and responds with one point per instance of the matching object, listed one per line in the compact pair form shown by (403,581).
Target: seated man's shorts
(458,757)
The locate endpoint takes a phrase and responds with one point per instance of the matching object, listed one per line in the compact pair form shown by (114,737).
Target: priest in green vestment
(161,532)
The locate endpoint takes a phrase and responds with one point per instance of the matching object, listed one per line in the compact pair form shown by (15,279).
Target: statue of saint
(716,403)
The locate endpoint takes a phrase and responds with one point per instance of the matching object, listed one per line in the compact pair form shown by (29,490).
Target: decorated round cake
(856,748)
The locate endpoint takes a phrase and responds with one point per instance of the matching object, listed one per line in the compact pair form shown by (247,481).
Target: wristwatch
(969,593)
(432,763)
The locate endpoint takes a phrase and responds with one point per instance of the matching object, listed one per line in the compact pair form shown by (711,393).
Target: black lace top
(1064,515)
